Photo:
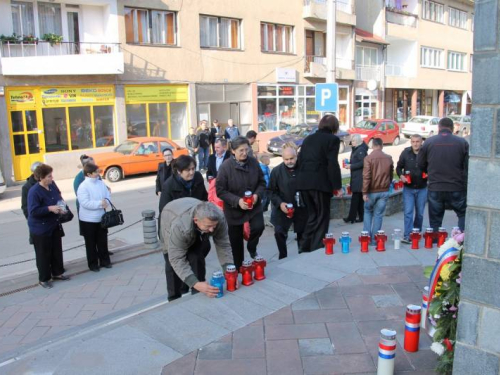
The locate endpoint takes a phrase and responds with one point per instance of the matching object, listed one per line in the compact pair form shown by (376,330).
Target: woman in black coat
(237,175)
(358,154)
(164,169)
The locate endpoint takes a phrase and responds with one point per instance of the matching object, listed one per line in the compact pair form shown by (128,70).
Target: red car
(388,130)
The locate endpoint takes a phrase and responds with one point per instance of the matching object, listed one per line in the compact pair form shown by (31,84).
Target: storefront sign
(143,94)
(287,90)
(21,97)
(286,75)
(57,96)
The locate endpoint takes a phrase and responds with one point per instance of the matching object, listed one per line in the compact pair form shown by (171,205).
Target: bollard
(149,229)
(412,328)
(386,352)
(425,306)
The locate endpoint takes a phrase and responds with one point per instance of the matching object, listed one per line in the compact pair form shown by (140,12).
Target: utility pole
(331,26)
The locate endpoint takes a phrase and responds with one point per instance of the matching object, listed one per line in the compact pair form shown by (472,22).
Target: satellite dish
(372,85)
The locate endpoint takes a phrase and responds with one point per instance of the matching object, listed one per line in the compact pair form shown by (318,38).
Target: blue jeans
(374,212)
(203,154)
(414,200)
(440,200)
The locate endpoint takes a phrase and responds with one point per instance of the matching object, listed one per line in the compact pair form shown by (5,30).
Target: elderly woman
(94,197)
(358,154)
(164,169)
(45,228)
(236,176)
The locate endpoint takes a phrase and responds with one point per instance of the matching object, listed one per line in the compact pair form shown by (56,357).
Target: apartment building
(428,58)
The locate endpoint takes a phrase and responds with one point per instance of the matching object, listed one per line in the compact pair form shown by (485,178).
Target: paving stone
(35,334)
(338,364)
(373,327)
(307,303)
(310,347)
(322,316)
(346,338)
(296,280)
(248,342)
(252,366)
(363,308)
(312,270)
(391,270)
(387,300)
(385,279)
(216,350)
(295,331)
(424,359)
(416,274)
(409,293)
(259,322)
(282,316)
(368,271)
(394,258)
(182,366)
(283,357)
(330,298)
(26,326)
(366,290)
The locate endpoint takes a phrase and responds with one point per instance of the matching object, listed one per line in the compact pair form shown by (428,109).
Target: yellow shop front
(58,120)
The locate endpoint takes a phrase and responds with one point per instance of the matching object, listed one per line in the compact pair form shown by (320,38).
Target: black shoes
(406,241)
(45,284)
(94,269)
(108,266)
(348,221)
(60,277)
(111,253)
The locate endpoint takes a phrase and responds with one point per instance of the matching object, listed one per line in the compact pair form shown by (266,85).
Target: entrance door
(74,32)
(234,113)
(27,141)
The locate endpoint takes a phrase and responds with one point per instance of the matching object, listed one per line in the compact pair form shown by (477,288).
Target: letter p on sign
(327,95)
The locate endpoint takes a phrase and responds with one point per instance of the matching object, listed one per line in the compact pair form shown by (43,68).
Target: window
(56,134)
(218,32)
(145,26)
(456,61)
(276,38)
(457,18)
(49,18)
(103,124)
(433,11)
(366,56)
(431,57)
(22,18)
(80,128)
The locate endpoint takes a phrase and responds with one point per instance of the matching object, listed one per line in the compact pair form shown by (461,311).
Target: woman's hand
(347,166)
(55,209)
(243,205)
(104,203)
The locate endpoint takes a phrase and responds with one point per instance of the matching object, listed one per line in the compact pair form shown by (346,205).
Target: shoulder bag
(111,218)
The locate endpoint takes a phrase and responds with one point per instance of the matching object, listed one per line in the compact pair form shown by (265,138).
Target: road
(132,196)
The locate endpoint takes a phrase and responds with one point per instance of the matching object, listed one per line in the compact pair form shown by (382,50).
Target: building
(428,58)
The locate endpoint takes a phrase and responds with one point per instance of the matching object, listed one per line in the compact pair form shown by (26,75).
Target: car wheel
(396,141)
(370,144)
(114,174)
(407,136)
(341,147)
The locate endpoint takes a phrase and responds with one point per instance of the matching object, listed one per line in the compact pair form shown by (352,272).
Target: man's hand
(347,166)
(243,205)
(157,194)
(365,197)
(340,193)
(255,199)
(206,288)
(283,208)
(403,178)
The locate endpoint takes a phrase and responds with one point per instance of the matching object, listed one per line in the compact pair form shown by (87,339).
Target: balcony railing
(342,5)
(42,48)
(392,70)
(400,17)
(367,73)
(341,62)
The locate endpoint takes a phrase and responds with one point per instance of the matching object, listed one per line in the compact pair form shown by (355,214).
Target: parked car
(297,134)
(426,126)
(2,183)
(387,130)
(135,156)
(462,124)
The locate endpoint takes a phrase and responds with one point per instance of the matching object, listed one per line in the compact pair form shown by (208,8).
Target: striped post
(412,328)
(425,306)
(386,352)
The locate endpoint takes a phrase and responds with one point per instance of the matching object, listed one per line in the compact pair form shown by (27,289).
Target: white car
(426,126)
(2,183)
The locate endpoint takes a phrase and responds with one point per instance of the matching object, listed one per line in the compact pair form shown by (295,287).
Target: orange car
(134,156)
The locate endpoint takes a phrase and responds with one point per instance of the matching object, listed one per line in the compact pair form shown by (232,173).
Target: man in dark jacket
(358,154)
(204,136)
(216,159)
(215,133)
(445,158)
(192,142)
(415,190)
(282,187)
(378,169)
(319,176)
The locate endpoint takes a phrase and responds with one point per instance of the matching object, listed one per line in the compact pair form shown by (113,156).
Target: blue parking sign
(327,97)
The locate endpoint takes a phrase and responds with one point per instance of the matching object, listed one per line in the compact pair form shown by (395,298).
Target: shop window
(136,120)
(23,22)
(19,145)
(267,114)
(103,125)
(218,32)
(31,121)
(17,121)
(56,134)
(178,120)
(80,128)
(33,143)
(49,18)
(158,120)
(266,90)
(276,38)
(287,117)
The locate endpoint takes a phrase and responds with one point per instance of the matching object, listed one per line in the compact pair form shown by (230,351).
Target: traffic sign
(327,97)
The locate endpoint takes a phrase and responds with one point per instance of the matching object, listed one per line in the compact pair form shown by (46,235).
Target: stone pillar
(478,333)
(414,101)
(441,104)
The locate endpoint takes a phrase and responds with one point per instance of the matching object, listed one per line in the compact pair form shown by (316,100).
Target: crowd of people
(223,188)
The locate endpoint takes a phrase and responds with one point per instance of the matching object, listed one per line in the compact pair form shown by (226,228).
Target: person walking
(415,188)
(264,161)
(378,169)
(232,130)
(358,154)
(252,138)
(204,137)
(319,175)
(192,142)
(44,226)
(283,189)
(164,169)
(236,176)
(187,225)
(216,133)
(445,158)
(94,198)
(215,160)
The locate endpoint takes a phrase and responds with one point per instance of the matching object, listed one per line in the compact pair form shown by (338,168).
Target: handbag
(66,216)
(111,218)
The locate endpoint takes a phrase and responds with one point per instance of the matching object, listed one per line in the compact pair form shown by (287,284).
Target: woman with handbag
(45,227)
(94,197)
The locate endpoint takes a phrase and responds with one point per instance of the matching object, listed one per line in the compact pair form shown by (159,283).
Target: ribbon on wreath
(447,257)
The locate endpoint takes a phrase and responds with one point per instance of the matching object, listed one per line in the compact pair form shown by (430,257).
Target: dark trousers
(235,233)
(96,244)
(357,208)
(281,236)
(439,200)
(196,258)
(49,256)
(203,154)
(318,219)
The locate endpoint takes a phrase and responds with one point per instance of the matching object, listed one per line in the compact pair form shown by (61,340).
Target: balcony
(315,10)
(315,67)
(400,17)
(368,73)
(392,70)
(66,58)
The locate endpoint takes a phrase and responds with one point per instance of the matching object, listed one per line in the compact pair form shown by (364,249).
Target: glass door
(74,32)
(27,141)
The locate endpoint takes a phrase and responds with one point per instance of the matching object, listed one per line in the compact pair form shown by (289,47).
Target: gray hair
(222,141)
(34,165)
(356,138)
(416,136)
(207,210)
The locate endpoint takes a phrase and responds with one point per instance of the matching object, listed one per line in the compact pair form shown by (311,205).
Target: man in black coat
(215,160)
(319,176)
(282,187)
(358,154)
(215,133)
(30,181)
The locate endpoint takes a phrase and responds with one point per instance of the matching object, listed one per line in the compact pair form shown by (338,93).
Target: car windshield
(295,130)
(126,147)
(455,118)
(366,125)
(304,132)
(419,120)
